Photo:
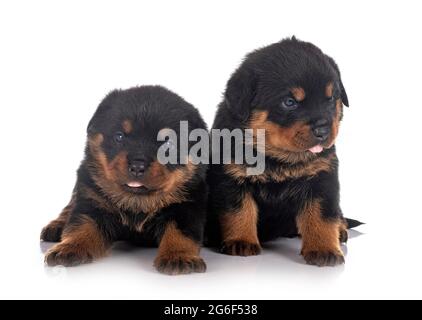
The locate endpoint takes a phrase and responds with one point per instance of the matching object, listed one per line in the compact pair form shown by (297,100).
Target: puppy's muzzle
(321,130)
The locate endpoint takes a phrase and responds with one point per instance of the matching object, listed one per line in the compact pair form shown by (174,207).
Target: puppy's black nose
(321,133)
(137,167)
(321,129)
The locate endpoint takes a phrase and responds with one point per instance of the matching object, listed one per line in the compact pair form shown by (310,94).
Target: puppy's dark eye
(289,103)
(331,99)
(119,136)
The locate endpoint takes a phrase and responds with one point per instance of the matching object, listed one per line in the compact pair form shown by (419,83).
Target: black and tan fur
(294,92)
(168,207)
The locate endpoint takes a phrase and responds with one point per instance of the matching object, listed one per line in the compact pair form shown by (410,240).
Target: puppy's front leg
(82,242)
(320,235)
(177,253)
(239,228)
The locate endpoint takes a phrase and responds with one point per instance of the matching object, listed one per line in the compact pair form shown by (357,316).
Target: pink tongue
(316,149)
(135,184)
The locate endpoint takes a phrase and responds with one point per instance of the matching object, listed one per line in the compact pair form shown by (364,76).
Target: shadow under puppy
(124,193)
(294,92)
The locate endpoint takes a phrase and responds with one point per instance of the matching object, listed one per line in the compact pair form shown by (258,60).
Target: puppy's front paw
(323,258)
(240,248)
(179,265)
(52,232)
(67,255)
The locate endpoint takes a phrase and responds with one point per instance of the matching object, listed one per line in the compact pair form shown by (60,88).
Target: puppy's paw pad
(180,265)
(241,248)
(67,255)
(52,232)
(323,258)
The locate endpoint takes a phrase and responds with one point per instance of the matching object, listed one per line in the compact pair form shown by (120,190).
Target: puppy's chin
(308,148)
(138,188)
(297,151)
(315,147)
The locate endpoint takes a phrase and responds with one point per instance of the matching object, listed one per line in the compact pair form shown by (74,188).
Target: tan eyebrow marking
(127,126)
(329,89)
(298,93)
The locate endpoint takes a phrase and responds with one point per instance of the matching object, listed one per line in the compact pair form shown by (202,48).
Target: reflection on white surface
(371,270)
(129,267)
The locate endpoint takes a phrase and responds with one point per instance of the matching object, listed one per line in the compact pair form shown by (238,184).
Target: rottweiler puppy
(124,193)
(294,92)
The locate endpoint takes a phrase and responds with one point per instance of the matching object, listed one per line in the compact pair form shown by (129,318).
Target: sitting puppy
(124,193)
(294,92)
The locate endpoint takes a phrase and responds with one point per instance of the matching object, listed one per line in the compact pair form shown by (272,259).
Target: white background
(57,61)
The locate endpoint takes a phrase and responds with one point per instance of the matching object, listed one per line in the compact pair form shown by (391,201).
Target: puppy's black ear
(93,125)
(240,92)
(343,95)
(90,130)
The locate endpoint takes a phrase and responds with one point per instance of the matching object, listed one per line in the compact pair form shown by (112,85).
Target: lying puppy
(124,193)
(294,92)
